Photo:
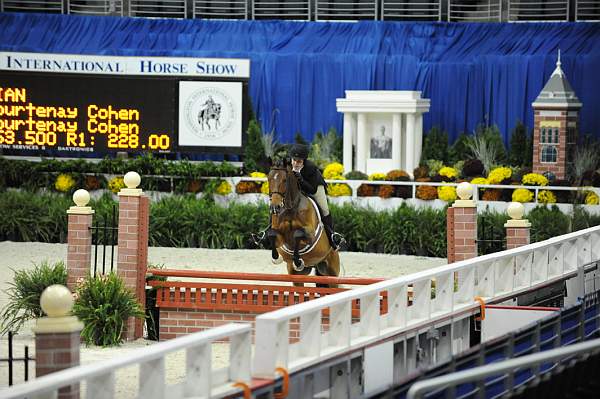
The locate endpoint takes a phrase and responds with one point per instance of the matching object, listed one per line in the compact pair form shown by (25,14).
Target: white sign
(210,114)
(114,65)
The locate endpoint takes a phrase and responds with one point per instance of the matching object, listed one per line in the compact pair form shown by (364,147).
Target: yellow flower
(534,179)
(339,190)
(377,176)
(224,188)
(522,195)
(591,198)
(479,180)
(64,183)
(546,197)
(333,170)
(447,193)
(497,175)
(257,174)
(264,188)
(116,184)
(448,172)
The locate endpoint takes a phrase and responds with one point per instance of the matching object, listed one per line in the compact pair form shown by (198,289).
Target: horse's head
(283,189)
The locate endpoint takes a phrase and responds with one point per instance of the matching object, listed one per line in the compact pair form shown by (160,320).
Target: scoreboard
(69,114)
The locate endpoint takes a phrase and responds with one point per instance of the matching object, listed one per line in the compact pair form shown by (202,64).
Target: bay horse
(297,234)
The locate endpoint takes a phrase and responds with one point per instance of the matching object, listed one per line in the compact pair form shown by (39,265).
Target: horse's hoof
(298,267)
(277,261)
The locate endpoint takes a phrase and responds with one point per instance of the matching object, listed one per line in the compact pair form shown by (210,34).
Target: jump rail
(211,295)
(494,277)
(200,379)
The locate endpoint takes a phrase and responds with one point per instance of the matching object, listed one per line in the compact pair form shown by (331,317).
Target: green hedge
(185,221)
(32,175)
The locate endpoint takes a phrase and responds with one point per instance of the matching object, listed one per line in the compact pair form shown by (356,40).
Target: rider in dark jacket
(312,183)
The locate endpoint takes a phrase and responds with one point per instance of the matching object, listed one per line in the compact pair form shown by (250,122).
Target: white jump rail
(494,278)
(200,379)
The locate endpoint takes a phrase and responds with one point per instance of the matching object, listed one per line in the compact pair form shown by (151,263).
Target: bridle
(288,205)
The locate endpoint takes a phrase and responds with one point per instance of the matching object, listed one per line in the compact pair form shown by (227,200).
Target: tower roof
(557,92)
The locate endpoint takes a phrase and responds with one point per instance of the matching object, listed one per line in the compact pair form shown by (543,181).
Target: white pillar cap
(81,198)
(464,191)
(57,302)
(516,210)
(132,181)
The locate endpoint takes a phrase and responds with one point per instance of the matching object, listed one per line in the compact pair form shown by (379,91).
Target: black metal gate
(104,239)
(490,238)
(11,360)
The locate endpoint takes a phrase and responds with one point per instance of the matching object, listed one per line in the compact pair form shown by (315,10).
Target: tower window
(549,153)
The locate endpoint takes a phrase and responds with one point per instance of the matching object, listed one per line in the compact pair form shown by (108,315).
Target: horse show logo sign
(210,114)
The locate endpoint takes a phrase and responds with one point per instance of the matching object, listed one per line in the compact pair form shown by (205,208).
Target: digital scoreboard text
(61,114)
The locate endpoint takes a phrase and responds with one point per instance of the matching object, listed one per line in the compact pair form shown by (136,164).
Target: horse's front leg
(298,262)
(272,237)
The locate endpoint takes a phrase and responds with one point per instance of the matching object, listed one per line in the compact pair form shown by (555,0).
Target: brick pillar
(461,226)
(79,238)
(133,245)
(517,228)
(57,337)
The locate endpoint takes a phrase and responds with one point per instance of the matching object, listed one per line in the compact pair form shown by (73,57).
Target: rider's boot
(336,240)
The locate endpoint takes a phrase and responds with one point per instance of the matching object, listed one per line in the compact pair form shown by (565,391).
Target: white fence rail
(495,277)
(200,379)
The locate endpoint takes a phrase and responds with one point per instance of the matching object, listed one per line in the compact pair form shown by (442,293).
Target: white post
(396,141)
(409,151)
(361,143)
(348,136)
(418,138)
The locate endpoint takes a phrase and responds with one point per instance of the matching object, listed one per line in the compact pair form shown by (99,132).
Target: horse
(297,234)
(208,113)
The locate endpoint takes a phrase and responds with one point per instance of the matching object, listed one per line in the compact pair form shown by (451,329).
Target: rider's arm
(307,180)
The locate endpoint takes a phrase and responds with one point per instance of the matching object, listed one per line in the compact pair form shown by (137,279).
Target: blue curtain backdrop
(472,72)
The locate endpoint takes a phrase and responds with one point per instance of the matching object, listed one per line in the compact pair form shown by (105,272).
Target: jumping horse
(297,234)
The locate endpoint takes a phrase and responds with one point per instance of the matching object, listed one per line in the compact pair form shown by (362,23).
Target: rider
(312,183)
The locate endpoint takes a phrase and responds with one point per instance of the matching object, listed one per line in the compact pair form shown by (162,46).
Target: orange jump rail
(263,277)
(246,297)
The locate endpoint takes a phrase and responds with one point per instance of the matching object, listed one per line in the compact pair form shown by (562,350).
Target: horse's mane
(292,189)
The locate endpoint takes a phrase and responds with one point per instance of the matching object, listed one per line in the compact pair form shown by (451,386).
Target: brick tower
(556,113)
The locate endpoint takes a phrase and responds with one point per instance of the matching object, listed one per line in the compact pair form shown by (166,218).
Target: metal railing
(200,379)
(294,9)
(95,7)
(346,9)
(43,6)
(506,368)
(587,10)
(235,9)
(158,8)
(538,10)
(419,10)
(494,278)
(474,11)
(325,10)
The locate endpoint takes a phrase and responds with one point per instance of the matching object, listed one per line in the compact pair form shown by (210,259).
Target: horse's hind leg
(331,267)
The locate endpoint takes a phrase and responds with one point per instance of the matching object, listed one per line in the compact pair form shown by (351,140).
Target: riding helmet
(299,151)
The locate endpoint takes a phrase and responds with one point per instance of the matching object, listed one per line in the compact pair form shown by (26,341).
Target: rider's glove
(298,175)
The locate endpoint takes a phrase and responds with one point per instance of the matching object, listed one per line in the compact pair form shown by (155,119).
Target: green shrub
(104,304)
(519,149)
(435,145)
(254,150)
(547,223)
(356,175)
(24,293)
(28,216)
(459,151)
